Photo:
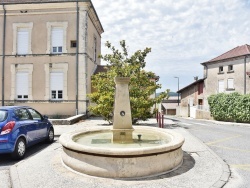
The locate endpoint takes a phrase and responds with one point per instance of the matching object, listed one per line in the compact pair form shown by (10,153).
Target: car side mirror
(45,117)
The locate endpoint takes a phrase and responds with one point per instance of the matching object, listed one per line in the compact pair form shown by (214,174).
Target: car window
(22,114)
(35,115)
(3,115)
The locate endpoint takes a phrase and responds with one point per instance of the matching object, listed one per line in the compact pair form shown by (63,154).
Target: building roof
(38,1)
(100,68)
(194,83)
(235,52)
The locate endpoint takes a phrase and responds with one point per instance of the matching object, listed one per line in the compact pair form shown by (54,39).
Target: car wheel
(20,149)
(50,137)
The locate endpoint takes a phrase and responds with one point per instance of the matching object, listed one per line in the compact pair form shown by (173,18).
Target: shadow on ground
(188,164)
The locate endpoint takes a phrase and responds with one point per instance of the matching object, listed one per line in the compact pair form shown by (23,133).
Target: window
(221,86)
(56,85)
(73,44)
(35,115)
(200,88)
(22,114)
(95,49)
(22,85)
(22,41)
(59,91)
(21,81)
(230,83)
(22,38)
(3,115)
(230,68)
(220,69)
(57,39)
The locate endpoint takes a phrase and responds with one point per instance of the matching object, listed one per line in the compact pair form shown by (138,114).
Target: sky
(181,33)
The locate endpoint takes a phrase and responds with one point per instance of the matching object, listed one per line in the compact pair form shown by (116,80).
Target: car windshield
(3,115)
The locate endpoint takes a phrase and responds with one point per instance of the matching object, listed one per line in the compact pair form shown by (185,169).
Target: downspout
(3,57)
(206,71)
(77,54)
(86,60)
(245,79)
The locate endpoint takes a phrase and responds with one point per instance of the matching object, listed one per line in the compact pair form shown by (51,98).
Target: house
(169,106)
(228,72)
(48,49)
(191,95)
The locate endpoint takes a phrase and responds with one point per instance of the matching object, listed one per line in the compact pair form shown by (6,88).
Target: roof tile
(235,52)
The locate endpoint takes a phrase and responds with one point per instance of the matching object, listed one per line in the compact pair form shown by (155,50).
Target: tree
(142,84)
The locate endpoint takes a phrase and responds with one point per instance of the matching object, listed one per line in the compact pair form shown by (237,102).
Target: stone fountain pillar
(122,120)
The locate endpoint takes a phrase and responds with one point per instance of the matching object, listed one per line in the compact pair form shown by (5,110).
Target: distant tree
(142,86)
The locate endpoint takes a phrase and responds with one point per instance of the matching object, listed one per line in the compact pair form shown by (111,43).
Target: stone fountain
(122,151)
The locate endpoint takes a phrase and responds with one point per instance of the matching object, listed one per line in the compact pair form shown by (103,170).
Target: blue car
(21,127)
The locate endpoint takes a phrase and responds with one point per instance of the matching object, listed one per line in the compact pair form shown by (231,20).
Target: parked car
(22,127)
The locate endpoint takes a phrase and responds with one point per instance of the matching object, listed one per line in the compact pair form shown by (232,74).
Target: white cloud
(182,34)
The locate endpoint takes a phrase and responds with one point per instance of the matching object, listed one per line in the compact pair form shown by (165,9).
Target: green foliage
(142,84)
(232,107)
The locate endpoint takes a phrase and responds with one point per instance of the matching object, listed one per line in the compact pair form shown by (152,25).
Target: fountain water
(122,151)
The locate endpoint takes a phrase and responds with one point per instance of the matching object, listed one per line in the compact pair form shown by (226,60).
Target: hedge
(232,107)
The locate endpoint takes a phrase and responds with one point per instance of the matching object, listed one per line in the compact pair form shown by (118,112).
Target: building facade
(191,95)
(48,49)
(170,106)
(228,72)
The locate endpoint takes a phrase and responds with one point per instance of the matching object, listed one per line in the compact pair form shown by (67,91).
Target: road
(229,141)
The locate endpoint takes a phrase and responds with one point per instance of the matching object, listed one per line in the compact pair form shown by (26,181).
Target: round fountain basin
(92,151)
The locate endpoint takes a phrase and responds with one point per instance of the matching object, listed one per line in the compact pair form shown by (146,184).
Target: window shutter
(221,86)
(230,83)
(56,81)
(22,41)
(22,84)
(57,37)
(200,88)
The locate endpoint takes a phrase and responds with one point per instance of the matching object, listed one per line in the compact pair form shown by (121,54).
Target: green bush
(232,107)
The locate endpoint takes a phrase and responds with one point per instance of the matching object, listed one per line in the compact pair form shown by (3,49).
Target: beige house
(48,49)
(228,72)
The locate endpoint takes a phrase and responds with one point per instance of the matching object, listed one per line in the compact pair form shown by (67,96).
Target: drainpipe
(77,54)
(206,71)
(3,57)
(86,58)
(245,79)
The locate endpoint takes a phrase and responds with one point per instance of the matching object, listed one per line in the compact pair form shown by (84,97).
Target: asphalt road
(231,142)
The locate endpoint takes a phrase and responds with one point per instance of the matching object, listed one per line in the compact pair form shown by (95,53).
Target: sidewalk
(201,167)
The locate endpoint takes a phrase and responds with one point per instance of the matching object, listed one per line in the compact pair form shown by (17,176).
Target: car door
(40,124)
(27,124)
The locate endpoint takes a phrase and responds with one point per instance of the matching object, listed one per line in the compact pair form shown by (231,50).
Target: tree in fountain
(143,84)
